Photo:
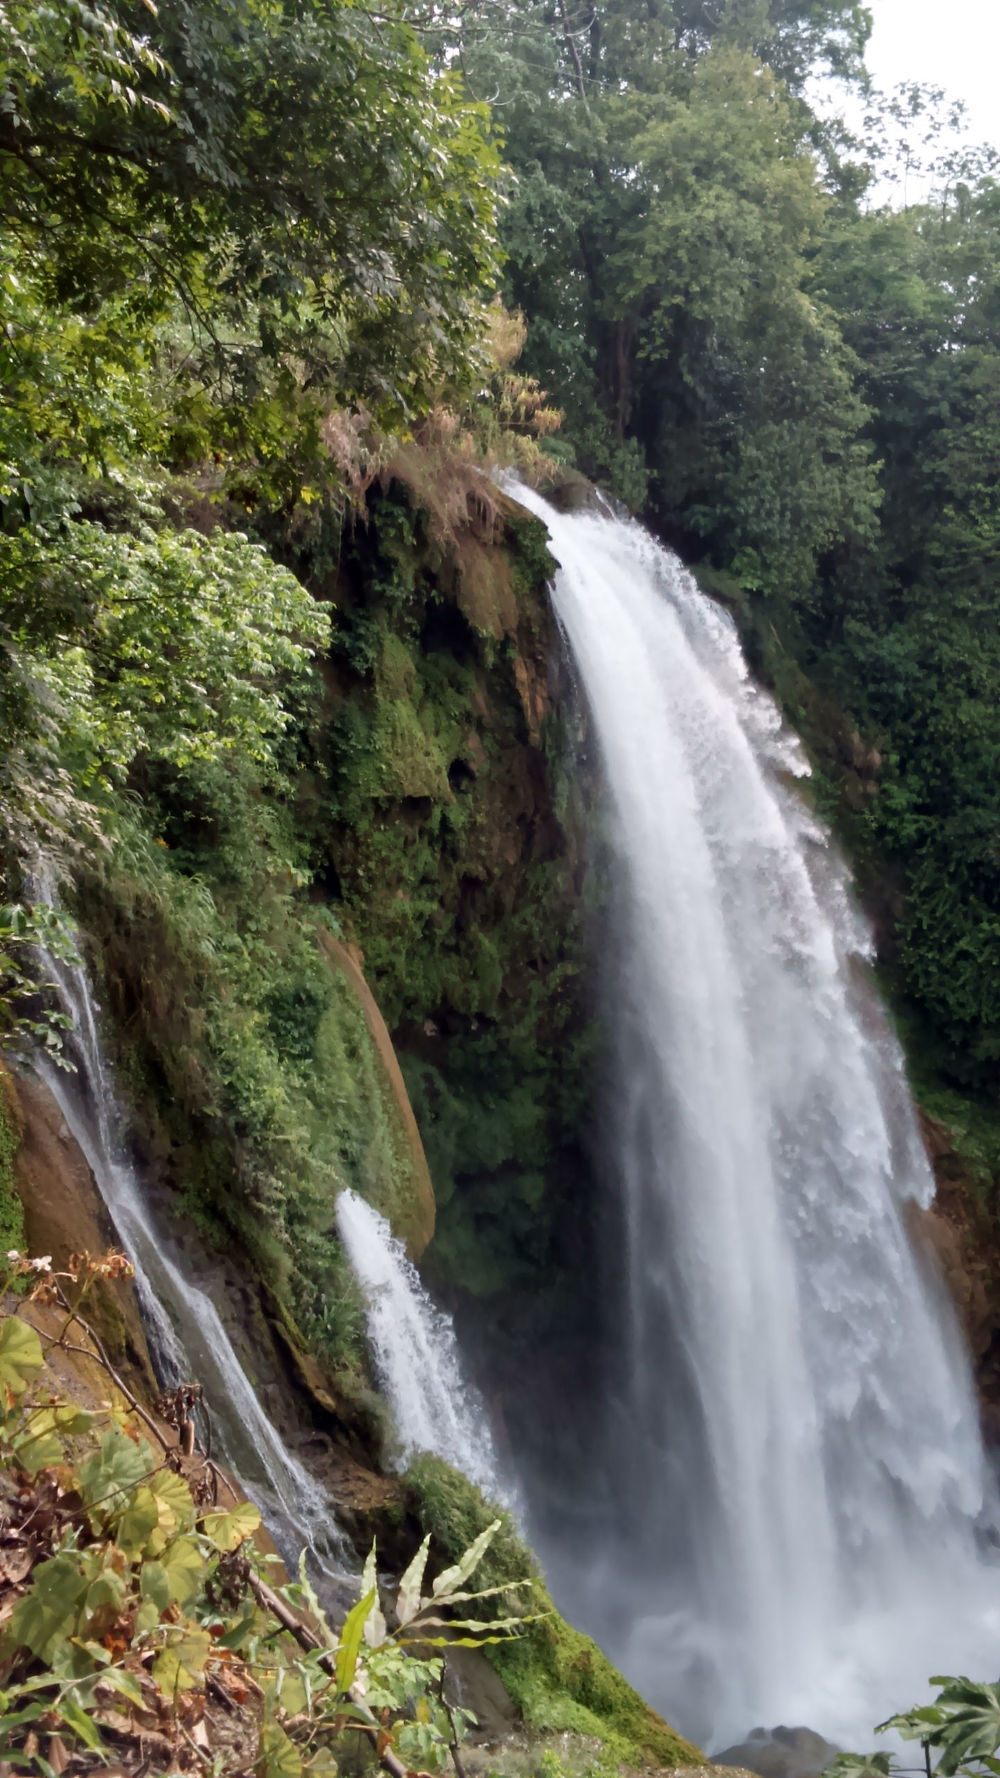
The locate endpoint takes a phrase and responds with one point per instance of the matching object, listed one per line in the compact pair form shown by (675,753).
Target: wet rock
(780,1753)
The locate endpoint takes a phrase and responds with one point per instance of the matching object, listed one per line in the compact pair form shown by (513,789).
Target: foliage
(295,184)
(559,1679)
(25,934)
(130,1600)
(961,1726)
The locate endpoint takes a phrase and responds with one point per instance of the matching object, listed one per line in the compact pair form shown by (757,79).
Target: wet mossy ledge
(558,1678)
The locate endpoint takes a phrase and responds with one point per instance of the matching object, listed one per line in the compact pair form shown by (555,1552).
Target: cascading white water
(802,1490)
(187,1338)
(414,1350)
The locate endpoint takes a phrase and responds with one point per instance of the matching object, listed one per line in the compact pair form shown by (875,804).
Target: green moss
(557,1677)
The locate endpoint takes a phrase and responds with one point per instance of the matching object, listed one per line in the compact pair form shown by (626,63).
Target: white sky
(954,44)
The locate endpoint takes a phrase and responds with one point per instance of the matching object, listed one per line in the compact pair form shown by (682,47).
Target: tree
(298,178)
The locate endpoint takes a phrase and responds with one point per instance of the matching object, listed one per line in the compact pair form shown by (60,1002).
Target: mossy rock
(558,1678)
(396,1176)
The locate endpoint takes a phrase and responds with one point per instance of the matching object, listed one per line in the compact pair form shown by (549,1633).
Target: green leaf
(154,1585)
(408,1597)
(21,1355)
(107,1590)
(452,1578)
(279,1755)
(184,1566)
(51,1607)
(180,1667)
(174,1504)
(124,1682)
(80,1723)
(375,1629)
(228,1530)
(109,1476)
(16,1719)
(860,1765)
(291,1690)
(351,1638)
(138,1522)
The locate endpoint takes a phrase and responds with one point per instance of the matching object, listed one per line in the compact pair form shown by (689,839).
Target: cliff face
(371,969)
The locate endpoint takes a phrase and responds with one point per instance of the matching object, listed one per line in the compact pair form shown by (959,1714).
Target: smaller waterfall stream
(413,1346)
(186,1335)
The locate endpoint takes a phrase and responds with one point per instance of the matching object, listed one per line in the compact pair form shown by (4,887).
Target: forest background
(249,248)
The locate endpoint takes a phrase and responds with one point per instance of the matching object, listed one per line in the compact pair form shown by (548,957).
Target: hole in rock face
(460,774)
(445,630)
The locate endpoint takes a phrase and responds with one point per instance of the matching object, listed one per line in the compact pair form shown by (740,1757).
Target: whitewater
(802,1519)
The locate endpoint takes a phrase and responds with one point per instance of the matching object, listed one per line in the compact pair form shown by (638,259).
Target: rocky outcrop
(65,1214)
(405,1194)
(963,1233)
(780,1753)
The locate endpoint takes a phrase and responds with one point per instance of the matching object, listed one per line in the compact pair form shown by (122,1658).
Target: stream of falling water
(413,1346)
(802,1512)
(186,1335)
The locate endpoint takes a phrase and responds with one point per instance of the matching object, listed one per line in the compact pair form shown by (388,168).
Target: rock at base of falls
(780,1753)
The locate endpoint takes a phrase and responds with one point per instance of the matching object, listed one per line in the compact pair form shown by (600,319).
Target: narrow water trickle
(414,1351)
(801,1502)
(186,1335)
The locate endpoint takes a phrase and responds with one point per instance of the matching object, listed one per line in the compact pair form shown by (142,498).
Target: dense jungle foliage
(794,376)
(273,656)
(276,667)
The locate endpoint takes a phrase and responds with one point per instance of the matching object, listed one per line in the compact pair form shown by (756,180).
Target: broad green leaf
(21,1355)
(228,1530)
(451,1578)
(972,1729)
(147,1617)
(41,1442)
(280,1757)
(174,1504)
(184,1566)
(180,1667)
(291,1691)
(138,1522)
(860,1765)
(154,1585)
(107,1590)
(351,1638)
(408,1597)
(109,1476)
(38,1446)
(51,1607)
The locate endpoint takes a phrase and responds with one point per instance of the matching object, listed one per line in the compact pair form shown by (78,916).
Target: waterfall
(414,1350)
(186,1335)
(800,1496)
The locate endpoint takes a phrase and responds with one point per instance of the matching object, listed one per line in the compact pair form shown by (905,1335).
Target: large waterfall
(801,1495)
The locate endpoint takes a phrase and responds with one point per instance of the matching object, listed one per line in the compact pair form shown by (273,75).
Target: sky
(954,44)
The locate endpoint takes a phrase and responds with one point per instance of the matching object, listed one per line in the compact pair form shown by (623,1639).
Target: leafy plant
(132,1599)
(961,1726)
(24,932)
